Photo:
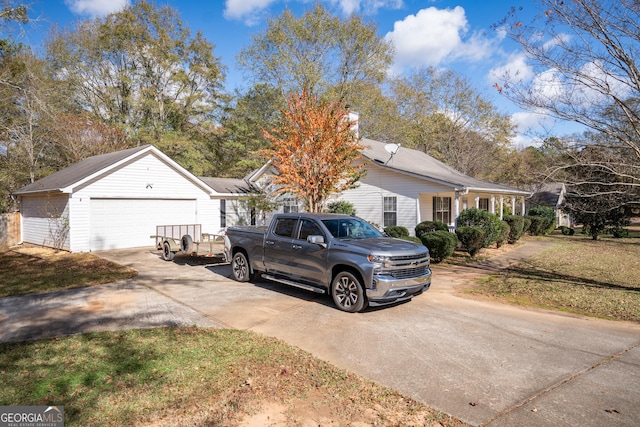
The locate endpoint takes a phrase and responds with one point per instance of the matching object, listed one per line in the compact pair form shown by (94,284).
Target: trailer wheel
(240,267)
(187,244)
(167,253)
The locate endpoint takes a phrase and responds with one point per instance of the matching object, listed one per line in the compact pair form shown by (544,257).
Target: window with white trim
(442,209)
(289,205)
(390,211)
(223,213)
(483,204)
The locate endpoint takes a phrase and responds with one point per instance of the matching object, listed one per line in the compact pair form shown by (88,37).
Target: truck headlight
(379,259)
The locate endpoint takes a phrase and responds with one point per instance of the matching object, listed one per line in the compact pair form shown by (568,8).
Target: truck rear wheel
(240,267)
(348,293)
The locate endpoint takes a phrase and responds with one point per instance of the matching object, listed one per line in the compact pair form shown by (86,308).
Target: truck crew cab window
(285,226)
(309,228)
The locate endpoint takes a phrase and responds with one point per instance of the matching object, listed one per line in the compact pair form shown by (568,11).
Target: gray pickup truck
(327,253)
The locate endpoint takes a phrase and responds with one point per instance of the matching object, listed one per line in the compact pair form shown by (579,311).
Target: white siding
(46,220)
(147,190)
(368,197)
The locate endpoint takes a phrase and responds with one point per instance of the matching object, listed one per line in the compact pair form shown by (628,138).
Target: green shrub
(619,232)
(527,224)
(516,225)
(545,225)
(539,225)
(545,211)
(504,233)
(341,207)
(471,239)
(441,244)
(430,226)
(397,231)
(488,222)
(567,231)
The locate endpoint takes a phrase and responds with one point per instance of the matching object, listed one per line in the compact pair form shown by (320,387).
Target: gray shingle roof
(227,185)
(548,194)
(419,163)
(70,175)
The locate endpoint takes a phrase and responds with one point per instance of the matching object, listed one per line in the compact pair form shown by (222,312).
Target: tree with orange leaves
(314,151)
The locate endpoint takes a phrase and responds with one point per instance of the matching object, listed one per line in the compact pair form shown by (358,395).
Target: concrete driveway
(485,363)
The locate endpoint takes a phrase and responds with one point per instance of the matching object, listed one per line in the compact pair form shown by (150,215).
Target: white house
(116,200)
(404,187)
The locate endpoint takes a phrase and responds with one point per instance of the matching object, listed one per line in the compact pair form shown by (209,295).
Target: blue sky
(453,34)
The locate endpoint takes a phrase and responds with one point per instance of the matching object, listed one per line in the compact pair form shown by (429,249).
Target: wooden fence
(9,229)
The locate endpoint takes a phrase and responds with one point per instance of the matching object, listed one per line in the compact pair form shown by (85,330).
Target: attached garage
(115,201)
(127,223)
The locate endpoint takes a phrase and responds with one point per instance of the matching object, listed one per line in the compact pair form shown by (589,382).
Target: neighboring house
(116,200)
(551,195)
(410,186)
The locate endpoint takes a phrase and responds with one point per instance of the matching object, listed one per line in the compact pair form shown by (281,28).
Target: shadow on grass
(526,272)
(83,373)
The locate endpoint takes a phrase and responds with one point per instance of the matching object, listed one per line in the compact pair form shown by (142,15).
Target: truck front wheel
(348,293)
(240,267)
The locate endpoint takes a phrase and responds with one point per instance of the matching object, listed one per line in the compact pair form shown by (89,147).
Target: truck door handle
(270,242)
(297,247)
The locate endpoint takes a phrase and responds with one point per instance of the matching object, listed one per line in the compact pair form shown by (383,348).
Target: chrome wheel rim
(239,268)
(346,292)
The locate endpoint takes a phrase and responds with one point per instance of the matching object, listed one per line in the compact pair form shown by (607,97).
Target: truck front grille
(408,273)
(406,267)
(408,258)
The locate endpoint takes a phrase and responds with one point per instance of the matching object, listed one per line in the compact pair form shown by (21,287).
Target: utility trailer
(185,239)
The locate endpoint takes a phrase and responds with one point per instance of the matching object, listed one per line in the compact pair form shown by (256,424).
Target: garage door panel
(128,223)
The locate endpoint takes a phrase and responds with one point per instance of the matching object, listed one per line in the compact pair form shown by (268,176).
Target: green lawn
(191,376)
(577,274)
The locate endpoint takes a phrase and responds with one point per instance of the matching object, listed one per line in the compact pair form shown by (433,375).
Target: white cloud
(548,85)
(433,36)
(251,11)
(515,70)
(527,125)
(95,7)
(366,6)
(246,10)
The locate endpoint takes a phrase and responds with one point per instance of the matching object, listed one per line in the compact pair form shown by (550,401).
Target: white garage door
(128,223)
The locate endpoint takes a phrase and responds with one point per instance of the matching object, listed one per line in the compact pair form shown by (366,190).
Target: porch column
(501,206)
(513,205)
(477,201)
(456,208)
(492,208)
(523,206)
(418,216)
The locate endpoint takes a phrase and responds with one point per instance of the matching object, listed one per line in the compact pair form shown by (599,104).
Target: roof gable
(65,180)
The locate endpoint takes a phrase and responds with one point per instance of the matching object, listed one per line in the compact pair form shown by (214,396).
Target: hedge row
(476,229)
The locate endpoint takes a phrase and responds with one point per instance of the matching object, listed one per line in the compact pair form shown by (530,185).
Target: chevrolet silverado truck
(341,255)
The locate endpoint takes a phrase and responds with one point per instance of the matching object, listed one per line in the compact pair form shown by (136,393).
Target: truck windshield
(351,228)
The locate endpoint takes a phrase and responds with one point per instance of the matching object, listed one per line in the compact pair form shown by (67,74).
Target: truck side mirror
(316,240)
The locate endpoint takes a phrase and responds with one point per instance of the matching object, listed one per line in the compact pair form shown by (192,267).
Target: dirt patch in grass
(192,376)
(577,275)
(32,269)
